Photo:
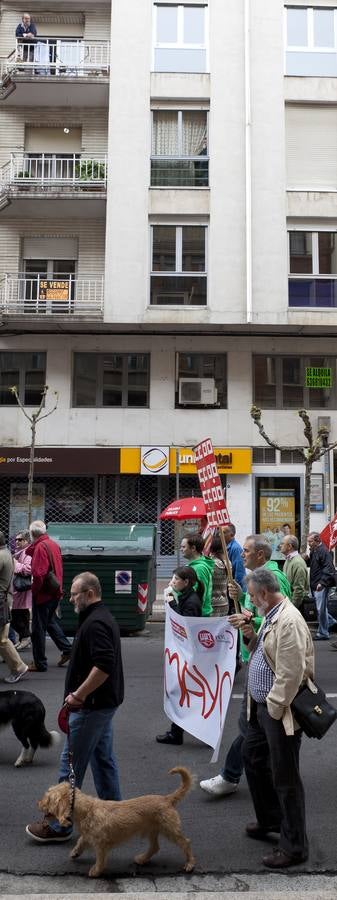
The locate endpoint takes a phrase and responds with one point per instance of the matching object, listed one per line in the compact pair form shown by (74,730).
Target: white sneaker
(16,676)
(218,786)
(25,644)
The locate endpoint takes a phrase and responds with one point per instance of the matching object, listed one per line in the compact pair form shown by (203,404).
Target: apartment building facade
(167,254)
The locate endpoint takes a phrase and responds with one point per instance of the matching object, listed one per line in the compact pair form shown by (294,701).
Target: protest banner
(329,534)
(210,484)
(199,669)
(213,497)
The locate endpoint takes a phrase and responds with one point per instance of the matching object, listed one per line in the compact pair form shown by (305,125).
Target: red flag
(329,534)
(210,484)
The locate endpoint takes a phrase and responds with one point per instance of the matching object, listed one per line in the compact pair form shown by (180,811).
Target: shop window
(180,38)
(263,456)
(27,371)
(278,502)
(111,379)
(291,382)
(178,276)
(209,371)
(311,41)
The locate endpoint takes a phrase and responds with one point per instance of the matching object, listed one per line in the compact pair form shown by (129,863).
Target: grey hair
(25,535)
(37,528)
(264,578)
(292,540)
(315,535)
(261,543)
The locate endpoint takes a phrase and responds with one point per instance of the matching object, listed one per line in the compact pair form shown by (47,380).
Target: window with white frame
(179,265)
(311,41)
(180,38)
(179,148)
(313,268)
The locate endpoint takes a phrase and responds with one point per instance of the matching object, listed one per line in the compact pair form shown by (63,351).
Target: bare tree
(34,418)
(317,447)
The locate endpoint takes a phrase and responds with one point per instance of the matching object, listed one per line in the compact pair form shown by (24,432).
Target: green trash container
(123,558)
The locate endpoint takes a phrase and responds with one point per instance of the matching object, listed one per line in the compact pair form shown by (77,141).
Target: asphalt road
(215,826)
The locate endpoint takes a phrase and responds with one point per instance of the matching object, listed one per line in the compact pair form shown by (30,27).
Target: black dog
(26,713)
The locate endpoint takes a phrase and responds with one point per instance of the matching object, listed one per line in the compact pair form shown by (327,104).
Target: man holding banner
(200,653)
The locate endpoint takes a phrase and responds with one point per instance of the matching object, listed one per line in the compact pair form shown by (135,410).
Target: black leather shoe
(168,738)
(281,860)
(259,832)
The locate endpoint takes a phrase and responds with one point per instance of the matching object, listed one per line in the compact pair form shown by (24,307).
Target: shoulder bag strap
(50,557)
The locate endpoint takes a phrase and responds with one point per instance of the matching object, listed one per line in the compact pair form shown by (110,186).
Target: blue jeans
(325,621)
(233,767)
(44,620)
(90,741)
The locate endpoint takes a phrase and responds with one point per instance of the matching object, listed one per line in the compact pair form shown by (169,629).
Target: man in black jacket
(94,689)
(322,577)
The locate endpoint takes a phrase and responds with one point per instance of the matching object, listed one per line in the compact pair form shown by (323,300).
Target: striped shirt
(260,675)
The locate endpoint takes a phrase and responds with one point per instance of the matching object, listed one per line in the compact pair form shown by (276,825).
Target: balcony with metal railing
(65,296)
(58,177)
(37,70)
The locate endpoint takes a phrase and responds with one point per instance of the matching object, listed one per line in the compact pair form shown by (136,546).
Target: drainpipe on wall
(248,166)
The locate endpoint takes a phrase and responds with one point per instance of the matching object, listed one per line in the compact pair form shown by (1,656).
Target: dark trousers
(20,622)
(271,761)
(176,731)
(44,620)
(233,767)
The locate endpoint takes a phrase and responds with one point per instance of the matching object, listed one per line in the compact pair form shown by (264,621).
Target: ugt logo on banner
(210,484)
(200,658)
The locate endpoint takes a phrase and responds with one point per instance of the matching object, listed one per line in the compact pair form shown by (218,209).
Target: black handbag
(22,583)
(313,712)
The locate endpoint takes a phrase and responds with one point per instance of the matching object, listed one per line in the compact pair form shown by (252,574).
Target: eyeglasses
(78,593)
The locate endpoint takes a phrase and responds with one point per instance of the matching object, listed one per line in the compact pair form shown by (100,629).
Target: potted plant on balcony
(90,173)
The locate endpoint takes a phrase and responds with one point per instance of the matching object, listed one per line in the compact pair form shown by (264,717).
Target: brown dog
(104,824)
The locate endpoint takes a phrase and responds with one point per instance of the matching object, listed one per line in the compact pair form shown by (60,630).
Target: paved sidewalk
(262,886)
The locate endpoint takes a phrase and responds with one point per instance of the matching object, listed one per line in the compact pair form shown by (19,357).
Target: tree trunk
(31,472)
(307,492)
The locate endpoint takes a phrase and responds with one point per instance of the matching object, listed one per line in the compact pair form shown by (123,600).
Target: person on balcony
(26,32)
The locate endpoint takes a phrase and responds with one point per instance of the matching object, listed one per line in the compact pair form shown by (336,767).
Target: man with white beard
(282,659)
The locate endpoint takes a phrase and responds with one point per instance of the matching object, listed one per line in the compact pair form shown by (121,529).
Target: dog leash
(63,721)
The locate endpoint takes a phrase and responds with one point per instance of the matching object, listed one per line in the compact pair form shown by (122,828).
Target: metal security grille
(101,499)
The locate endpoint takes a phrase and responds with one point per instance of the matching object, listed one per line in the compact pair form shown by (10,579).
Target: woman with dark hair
(186,602)
(220,602)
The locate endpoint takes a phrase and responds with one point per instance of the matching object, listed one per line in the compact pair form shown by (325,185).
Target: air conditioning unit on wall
(197,392)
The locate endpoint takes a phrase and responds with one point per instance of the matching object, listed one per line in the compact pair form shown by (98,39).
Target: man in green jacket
(191,548)
(256,553)
(296,570)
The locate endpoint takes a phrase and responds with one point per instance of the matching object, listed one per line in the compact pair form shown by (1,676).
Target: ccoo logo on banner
(200,658)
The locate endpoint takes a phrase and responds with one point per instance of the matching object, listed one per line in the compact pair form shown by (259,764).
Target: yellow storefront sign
(230,460)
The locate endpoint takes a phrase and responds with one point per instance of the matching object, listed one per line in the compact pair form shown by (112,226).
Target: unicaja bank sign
(229,460)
